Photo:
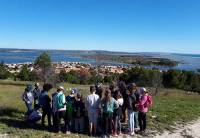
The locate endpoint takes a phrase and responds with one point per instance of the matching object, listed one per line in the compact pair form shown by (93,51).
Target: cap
(143,90)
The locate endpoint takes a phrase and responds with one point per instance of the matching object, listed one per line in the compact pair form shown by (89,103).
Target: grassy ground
(170,106)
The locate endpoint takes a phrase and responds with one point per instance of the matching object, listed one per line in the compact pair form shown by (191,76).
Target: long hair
(108,96)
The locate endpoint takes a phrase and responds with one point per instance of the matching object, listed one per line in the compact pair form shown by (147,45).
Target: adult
(28,98)
(36,94)
(61,107)
(92,105)
(45,104)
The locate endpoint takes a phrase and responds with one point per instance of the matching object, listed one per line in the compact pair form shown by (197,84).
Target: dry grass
(170,106)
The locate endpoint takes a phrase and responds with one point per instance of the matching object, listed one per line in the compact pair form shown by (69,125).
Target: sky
(114,25)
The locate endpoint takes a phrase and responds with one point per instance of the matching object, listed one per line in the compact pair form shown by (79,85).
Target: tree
(84,76)
(156,80)
(24,74)
(45,69)
(4,73)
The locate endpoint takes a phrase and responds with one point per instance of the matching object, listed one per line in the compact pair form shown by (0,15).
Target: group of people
(102,112)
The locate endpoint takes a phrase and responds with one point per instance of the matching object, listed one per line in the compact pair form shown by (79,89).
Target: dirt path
(191,130)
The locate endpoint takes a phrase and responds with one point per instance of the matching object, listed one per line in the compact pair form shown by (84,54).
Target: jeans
(131,121)
(79,124)
(117,124)
(136,119)
(142,121)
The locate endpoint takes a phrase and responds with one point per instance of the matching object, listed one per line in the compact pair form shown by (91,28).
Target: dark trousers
(46,112)
(58,117)
(124,116)
(108,118)
(142,121)
(35,102)
(68,122)
(55,120)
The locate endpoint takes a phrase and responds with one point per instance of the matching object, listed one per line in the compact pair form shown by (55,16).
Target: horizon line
(50,49)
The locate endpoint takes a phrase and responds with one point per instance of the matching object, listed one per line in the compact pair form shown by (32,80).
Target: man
(92,105)
(36,94)
(45,104)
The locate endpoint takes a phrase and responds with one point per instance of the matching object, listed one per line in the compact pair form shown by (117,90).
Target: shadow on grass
(20,124)
(9,112)
(12,117)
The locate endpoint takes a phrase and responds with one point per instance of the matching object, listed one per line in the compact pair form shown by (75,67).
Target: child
(108,105)
(92,105)
(35,116)
(36,94)
(118,114)
(70,99)
(143,109)
(79,111)
(132,101)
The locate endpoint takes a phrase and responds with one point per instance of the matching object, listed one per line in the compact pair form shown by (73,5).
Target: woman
(109,104)
(28,98)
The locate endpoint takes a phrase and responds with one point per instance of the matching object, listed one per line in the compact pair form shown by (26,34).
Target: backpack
(149,101)
(60,103)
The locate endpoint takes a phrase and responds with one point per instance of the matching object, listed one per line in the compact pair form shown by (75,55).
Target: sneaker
(120,133)
(68,132)
(133,133)
(114,135)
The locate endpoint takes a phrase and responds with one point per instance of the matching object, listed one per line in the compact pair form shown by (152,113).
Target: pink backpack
(149,101)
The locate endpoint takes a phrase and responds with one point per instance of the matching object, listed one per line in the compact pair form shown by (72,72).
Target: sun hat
(60,88)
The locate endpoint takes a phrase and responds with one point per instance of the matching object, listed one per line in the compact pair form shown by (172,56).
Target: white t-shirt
(120,101)
(92,102)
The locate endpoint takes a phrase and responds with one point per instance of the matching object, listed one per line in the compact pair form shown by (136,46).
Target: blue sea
(188,61)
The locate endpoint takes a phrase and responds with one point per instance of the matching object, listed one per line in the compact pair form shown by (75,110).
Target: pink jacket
(142,104)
